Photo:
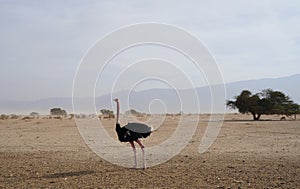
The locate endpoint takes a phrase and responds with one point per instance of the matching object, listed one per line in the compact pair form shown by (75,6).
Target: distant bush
(135,113)
(4,116)
(132,111)
(34,114)
(27,118)
(71,116)
(14,116)
(58,112)
(107,113)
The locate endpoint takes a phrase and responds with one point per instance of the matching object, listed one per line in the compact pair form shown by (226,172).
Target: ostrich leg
(143,153)
(134,154)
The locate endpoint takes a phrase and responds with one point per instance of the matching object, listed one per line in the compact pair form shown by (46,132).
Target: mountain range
(160,100)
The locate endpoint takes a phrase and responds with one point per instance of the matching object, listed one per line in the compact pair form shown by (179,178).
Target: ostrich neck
(118,111)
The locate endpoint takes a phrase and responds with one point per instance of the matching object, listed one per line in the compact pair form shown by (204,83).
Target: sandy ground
(43,153)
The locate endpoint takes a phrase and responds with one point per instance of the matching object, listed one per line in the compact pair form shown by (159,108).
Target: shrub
(4,116)
(58,112)
(14,116)
(34,114)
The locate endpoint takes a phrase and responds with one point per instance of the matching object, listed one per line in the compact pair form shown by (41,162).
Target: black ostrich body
(132,132)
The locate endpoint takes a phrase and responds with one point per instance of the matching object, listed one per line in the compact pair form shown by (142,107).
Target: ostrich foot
(144,165)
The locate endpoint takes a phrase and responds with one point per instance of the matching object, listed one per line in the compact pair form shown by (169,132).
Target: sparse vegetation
(132,111)
(14,116)
(4,116)
(71,116)
(58,112)
(34,114)
(107,114)
(135,113)
(267,102)
(27,118)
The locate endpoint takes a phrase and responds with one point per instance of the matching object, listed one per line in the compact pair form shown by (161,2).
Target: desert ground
(50,153)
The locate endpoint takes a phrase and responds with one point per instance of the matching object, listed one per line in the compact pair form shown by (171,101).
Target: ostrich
(132,132)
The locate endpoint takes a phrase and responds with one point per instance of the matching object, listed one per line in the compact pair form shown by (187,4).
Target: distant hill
(140,100)
(288,85)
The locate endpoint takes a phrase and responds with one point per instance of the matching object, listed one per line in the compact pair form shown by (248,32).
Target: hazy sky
(42,42)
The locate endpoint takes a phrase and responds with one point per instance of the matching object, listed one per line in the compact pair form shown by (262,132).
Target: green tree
(266,102)
(108,113)
(58,111)
(132,111)
(247,103)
